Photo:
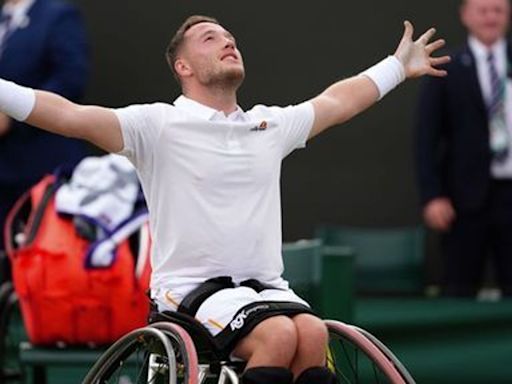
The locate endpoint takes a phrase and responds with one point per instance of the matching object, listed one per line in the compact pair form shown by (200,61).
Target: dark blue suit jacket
(452,136)
(50,53)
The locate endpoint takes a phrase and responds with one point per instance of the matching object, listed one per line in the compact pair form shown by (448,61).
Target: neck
(220,99)
(488,43)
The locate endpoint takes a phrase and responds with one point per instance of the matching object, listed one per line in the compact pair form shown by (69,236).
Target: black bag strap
(256,285)
(191,303)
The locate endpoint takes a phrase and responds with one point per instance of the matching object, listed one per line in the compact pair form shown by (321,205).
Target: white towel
(102,189)
(102,253)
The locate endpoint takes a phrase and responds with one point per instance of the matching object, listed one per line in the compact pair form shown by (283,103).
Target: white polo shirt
(212,184)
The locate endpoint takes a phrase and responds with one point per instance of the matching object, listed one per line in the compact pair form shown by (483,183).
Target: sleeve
(67,54)
(140,128)
(295,124)
(430,127)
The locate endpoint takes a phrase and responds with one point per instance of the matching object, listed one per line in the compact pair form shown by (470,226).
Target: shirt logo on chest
(263,126)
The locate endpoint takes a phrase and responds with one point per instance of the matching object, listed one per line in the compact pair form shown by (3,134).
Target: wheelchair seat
(206,345)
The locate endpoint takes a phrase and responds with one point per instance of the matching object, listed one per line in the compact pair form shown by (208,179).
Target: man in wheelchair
(210,174)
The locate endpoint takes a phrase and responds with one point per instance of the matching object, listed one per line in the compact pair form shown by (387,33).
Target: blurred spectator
(464,152)
(42,45)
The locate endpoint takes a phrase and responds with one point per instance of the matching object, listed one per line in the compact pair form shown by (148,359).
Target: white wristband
(386,74)
(15,100)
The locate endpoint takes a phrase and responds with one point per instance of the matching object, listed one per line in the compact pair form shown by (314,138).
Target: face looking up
(209,55)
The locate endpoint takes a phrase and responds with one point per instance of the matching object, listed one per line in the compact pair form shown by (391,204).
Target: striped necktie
(499,136)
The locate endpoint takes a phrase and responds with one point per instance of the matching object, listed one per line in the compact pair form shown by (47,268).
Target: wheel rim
(355,359)
(131,359)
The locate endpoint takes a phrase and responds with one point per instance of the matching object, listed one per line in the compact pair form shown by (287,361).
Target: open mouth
(229,56)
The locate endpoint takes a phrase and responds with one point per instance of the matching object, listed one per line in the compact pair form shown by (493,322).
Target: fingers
(435,46)
(416,56)
(437,72)
(409,30)
(425,38)
(435,61)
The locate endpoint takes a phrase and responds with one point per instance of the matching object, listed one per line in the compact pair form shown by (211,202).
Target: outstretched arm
(97,125)
(56,114)
(347,98)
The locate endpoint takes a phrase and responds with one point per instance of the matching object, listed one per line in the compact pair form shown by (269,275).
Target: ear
(182,68)
(463,14)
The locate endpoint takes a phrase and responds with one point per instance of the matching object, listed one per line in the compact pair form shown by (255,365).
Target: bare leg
(272,343)
(312,338)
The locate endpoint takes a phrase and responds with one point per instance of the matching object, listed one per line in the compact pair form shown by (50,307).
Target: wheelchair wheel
(12,333)
(156,354)
(390,355)
(184,349)
(357,359)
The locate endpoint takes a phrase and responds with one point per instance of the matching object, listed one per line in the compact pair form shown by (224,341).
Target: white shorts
(218,311)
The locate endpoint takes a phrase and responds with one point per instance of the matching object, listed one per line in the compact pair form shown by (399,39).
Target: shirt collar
(207,113)
(481,51)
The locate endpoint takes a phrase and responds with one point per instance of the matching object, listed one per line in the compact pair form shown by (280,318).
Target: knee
(272,343)
(280,334)
(311,331)
(277,340)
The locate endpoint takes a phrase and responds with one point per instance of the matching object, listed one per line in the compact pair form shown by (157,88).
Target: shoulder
(149,109)
(55,9)
(59,6)
(260,110)
(462,57)
(265,111)
(154,114)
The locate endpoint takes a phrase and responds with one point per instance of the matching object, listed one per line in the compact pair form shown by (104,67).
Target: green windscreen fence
(322,275)
(387,260)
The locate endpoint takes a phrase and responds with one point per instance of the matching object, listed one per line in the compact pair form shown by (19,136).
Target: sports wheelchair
(176,349)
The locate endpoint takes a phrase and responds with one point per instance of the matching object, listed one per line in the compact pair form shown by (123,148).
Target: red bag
(62,300)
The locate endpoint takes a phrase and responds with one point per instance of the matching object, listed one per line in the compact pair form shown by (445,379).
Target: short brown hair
(177,40)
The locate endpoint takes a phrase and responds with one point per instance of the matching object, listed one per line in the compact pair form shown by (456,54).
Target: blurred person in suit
(464,152)
(43,45)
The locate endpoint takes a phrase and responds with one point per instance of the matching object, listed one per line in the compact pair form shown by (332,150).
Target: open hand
(416,56)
